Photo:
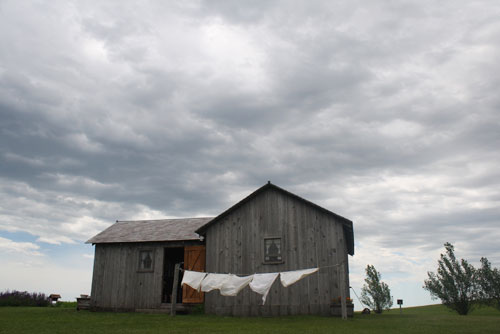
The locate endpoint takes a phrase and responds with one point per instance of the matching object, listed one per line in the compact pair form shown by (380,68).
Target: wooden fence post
(174,288)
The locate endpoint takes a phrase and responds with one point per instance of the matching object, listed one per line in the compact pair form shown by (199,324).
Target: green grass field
(428,319)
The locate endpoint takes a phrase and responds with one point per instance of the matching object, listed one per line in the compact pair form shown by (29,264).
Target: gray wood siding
(117,285)
(310,238)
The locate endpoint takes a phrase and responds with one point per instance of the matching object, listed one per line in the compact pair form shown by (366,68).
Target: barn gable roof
(346,223)
(151,230)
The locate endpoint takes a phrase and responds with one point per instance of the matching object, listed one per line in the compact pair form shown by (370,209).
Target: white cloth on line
(234,284)
(193,278)
(262,283)
(290,277)
(213,282)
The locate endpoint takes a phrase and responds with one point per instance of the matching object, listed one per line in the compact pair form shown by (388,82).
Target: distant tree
(23,298)
(375,294)
(455,282)
(489,282)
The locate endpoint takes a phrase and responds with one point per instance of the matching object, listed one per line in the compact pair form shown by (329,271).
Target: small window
(272,250)
(146,260)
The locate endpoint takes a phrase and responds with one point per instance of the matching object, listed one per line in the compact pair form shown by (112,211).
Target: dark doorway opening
(170,258)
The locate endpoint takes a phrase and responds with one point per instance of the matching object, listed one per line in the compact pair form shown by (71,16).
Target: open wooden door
(194,259)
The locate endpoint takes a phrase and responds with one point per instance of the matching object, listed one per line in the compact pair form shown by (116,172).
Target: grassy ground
(428,319)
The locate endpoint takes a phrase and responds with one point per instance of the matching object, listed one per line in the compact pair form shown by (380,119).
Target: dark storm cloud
(385,113)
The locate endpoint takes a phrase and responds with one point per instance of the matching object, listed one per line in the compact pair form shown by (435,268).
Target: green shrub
(23,298)
(375,294)
(455,282)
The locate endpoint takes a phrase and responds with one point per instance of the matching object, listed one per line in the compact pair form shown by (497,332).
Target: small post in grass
(400,302)
(174,288)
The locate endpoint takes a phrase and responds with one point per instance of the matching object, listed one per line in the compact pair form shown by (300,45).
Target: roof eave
(139,241)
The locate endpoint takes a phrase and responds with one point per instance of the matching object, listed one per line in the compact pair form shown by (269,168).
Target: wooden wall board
(309,239)
(118,285)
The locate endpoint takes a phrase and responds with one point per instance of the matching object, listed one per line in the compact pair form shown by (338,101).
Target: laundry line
(246,274)
(231,284)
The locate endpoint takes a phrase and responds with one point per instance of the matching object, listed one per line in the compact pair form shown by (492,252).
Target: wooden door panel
(194,259)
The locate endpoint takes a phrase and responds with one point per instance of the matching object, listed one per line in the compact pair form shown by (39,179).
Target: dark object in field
(23,298)
(366,310)
(53,298)
(83,303)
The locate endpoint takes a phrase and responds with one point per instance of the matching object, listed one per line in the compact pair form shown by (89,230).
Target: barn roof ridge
(346,223)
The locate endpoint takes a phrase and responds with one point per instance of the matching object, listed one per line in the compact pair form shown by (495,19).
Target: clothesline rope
(230,284)
(319,268)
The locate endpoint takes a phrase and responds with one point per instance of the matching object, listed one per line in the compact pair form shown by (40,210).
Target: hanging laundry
(234,284)
(193,279)
(290,277)
(262,283)
(213,282)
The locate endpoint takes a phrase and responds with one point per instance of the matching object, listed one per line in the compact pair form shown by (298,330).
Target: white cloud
(57,217)
(27,248)
(95,49)
(26,160)
(68,281)
(65,180)
(385,113)
(401,128)
(55,240)
(81,141)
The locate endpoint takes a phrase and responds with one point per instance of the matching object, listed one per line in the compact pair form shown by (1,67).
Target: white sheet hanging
(213,282)
(290,277)
(262,283)
(193,279)
(234,284)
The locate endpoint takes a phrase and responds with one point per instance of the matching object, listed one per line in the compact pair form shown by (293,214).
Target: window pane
(272,250)
(146,260)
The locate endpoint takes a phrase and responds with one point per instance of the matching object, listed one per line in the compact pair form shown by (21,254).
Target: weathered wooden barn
(134,263)
(271,230)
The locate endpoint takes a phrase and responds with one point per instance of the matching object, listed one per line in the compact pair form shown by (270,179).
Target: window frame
(281,253)
(140,269)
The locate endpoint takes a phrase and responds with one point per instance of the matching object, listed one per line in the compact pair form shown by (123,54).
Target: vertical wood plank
(342,292)
(310,239)
(194,259)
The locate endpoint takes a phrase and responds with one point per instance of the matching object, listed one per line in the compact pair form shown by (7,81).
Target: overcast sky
(385,112)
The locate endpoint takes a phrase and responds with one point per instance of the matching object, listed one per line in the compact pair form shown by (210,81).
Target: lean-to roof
(151,230)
